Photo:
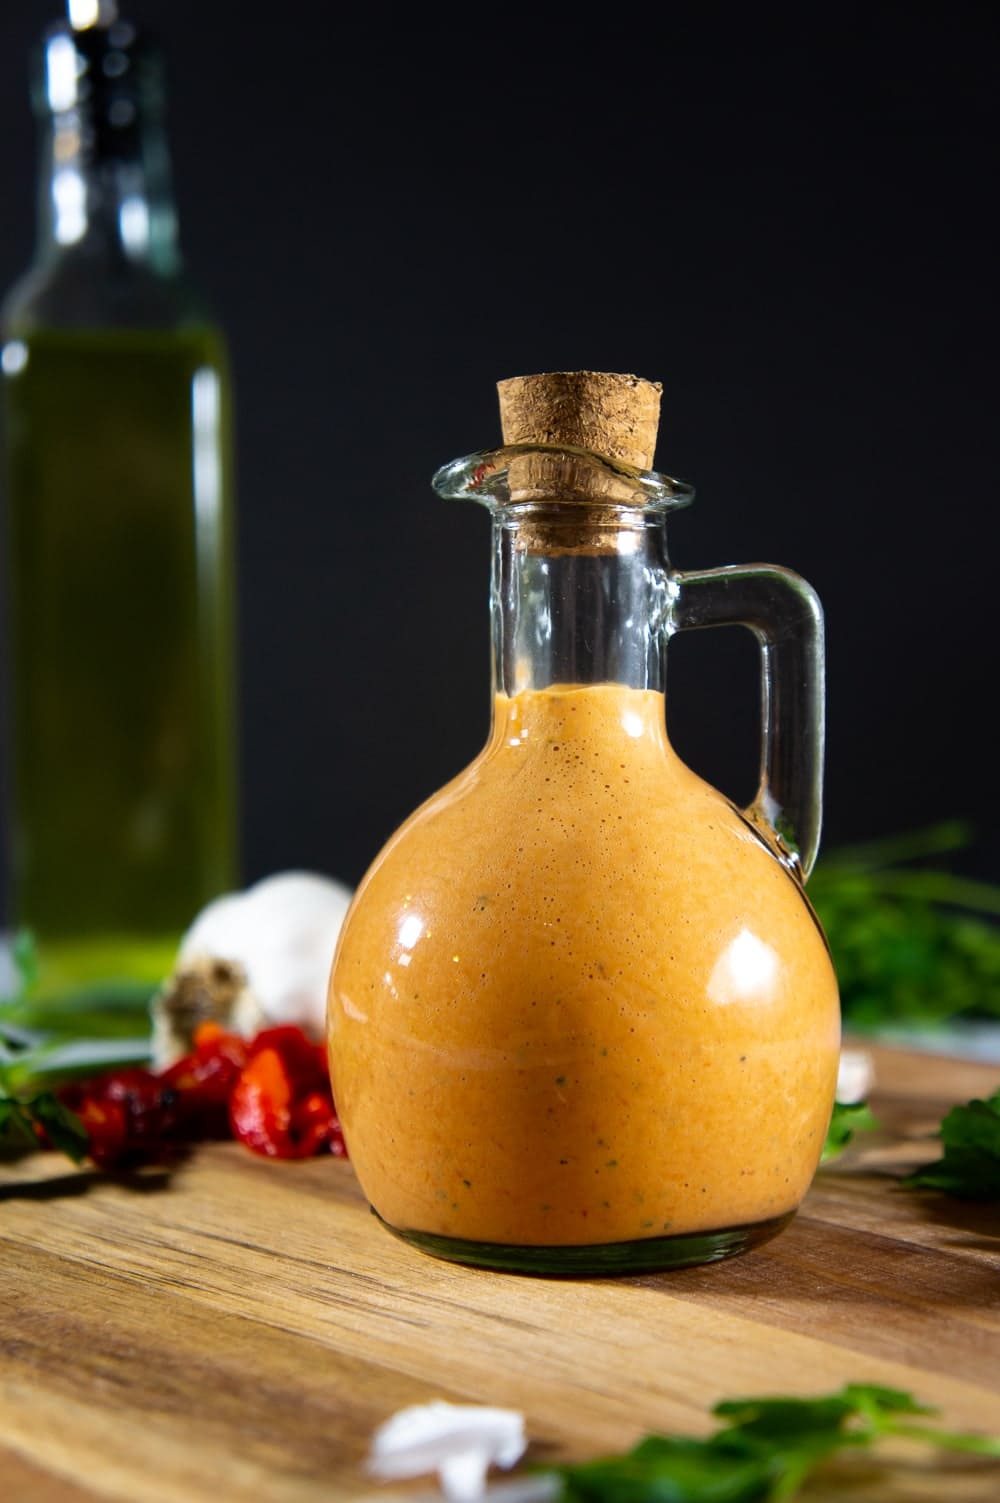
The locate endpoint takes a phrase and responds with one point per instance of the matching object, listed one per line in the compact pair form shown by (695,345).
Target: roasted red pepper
(305,1062)
(271,1092)
(204,1079)
(260,1105)
(315,1120)
(130,1116)
(281,1105)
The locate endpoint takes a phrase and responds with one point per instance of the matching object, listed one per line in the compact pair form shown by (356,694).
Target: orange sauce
(577,999)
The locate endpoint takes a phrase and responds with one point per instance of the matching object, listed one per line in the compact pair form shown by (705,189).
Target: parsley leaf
(913,942)
(62,1127)
(27,1121)
(21,1119)
(969,1168)
(764,1451)
(16,1131)
(848,1118)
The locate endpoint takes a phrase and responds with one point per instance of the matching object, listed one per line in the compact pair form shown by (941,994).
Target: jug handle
(785,616)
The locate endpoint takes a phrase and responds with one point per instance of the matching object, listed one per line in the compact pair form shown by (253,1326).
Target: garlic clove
(460,1442)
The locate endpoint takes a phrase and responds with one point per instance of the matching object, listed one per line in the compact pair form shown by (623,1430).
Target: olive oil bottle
(118,538)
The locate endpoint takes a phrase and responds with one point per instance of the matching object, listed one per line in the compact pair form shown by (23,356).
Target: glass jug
(582,1016)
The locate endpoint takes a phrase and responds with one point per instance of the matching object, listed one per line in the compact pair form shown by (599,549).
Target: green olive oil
(121,661)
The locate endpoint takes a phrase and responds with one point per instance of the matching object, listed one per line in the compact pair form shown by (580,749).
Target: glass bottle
(117,479)
(582,1017)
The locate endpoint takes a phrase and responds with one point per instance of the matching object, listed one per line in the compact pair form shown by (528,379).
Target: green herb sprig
(969,1167)
(764,1452)
(848,1119)
(21,1118)
(913,942)
(46,1040)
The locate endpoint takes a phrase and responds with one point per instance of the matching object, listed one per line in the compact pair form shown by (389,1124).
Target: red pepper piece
(115,1085)
(305,1062)
(149,1111)
(267,1114)
(315,1125)
(105,1124)
(204,1080)
(260,1105)
(271,1092)
(212,1038)
(128,1116)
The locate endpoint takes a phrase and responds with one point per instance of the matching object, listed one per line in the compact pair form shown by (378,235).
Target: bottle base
(645,1255)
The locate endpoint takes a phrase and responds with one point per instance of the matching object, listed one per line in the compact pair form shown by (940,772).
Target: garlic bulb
(251,959)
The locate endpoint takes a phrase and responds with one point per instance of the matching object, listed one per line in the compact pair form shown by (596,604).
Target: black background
(785,218)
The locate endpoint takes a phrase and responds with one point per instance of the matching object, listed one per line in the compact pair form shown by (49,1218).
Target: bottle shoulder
(541,797)
(646,860)
(85,291)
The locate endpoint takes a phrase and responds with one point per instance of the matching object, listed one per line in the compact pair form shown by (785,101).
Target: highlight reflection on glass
(14,357)
(133,222)
(60,74)
(86,13)
(410,930)
(745,971)
(205,414)
(69,200)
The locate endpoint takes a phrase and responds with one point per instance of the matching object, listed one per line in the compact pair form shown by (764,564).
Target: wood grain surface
(235,1329)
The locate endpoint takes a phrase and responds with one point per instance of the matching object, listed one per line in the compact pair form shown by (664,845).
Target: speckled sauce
(577,1000)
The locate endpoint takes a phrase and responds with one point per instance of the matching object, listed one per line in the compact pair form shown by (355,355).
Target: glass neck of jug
(581,594)
(582,591)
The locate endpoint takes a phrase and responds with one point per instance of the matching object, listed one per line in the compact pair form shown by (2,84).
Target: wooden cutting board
(234,1330)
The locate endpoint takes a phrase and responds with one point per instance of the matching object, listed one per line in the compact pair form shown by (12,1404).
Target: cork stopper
(611,415)
(577,504)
